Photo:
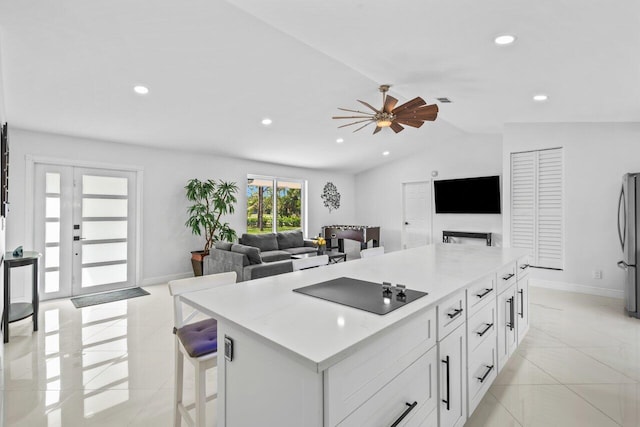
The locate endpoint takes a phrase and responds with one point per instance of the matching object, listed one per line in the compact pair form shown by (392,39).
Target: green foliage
(211,200)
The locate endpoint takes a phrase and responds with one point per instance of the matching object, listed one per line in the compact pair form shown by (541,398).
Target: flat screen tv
(468,195)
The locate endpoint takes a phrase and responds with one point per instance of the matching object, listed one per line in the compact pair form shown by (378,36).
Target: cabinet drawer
(482,326)
(451,314)
(523,266)
(416,384)
(479,292)
(351,382)
(506,276)
(483,369)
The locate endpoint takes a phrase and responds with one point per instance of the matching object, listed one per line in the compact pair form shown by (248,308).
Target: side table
(19,310)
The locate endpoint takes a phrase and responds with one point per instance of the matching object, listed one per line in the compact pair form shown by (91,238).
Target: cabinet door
(452,387)
(507,332)
(522,306)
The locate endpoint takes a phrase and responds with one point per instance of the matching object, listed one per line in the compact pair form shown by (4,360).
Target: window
(537,205)
(274,204)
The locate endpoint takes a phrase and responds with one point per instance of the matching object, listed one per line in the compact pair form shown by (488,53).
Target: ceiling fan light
(383,123)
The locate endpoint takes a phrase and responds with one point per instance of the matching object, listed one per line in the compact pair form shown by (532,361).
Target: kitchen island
(303,361)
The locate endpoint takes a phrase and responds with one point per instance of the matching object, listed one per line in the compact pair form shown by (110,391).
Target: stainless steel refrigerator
(628,227)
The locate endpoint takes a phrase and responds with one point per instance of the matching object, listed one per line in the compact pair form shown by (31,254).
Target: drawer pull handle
(486,292)
(512,319)
(524,266)
(508,276)
(489,326)
(484,377)
(446,362)
(521,292)
(457,312)
(405,413)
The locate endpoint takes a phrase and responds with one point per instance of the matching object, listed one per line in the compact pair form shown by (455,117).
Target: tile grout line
(565,385)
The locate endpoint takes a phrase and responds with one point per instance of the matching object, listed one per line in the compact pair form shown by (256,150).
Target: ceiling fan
(413,113)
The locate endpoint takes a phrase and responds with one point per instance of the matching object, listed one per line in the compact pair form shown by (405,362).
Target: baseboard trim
(164,279)
(574,287)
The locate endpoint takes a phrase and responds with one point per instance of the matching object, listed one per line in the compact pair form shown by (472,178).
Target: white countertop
(320,333)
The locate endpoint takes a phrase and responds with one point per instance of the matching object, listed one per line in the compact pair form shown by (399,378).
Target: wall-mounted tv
(479,195)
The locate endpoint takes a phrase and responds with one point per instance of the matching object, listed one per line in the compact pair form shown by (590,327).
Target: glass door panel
(259,206)
(85,229)
(289,206)
(105,212)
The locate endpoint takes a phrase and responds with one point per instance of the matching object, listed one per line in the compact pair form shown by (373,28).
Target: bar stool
(366,253)
(197,343)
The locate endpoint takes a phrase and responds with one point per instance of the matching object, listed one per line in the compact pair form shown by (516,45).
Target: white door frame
(29,219)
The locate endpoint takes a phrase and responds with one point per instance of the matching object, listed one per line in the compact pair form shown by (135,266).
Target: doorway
(416,214)
(85,227)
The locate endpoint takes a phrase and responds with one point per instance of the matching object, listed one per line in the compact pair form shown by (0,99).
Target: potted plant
(211,200)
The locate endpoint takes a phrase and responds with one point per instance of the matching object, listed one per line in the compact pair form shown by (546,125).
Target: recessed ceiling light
(141,90)
(540,97)
(267,121)
(385,153)
(339,140)
(504,39)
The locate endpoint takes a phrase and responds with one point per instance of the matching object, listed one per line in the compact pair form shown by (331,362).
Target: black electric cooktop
(360,294)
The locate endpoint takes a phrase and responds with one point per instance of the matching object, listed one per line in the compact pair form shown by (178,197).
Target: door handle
(623,265)
(511,316)
(621,204)
(406,223)
(76,238)
(521,292)
(457,312)
(446,362)
(486,374)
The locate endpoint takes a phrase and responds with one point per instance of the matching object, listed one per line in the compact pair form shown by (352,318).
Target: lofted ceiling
(216,68)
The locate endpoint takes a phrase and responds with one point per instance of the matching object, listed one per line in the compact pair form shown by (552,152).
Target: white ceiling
(216,68)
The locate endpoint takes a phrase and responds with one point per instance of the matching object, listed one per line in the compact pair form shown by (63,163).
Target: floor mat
(105,297)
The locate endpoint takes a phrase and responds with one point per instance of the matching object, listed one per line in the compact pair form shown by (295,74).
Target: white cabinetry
(452,390)
(482,366)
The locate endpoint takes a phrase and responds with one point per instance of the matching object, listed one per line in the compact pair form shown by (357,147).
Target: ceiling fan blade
(389,104)
(364,126)
(368,105)
(352,117)
(354,111)
(430,112)
(396,127)
(376,130)
(414,103)
(354,123)
(412,123)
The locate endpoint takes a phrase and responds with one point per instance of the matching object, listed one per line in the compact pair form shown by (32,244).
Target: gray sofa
(257,255)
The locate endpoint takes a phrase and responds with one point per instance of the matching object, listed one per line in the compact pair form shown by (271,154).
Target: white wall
(596,155)
(166,242)
(379,190)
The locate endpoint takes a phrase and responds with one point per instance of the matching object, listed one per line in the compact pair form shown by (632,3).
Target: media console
(467,234)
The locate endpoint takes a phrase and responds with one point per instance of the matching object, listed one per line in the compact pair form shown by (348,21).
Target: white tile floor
(112,365)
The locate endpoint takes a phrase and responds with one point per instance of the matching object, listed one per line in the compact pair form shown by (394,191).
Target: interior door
(85,226)
(416,228)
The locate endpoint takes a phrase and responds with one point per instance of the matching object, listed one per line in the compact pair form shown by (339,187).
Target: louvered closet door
(537,205)
(549,248)
(523,200)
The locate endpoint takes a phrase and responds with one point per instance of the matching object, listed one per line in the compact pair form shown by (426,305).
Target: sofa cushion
(224,246)
(252,253)
(301,250)
(264,242)
(270,256)
(290,239)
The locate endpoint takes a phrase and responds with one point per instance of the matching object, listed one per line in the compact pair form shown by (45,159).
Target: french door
(85,227)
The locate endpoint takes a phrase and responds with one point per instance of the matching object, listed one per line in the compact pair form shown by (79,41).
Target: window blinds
(536,205)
